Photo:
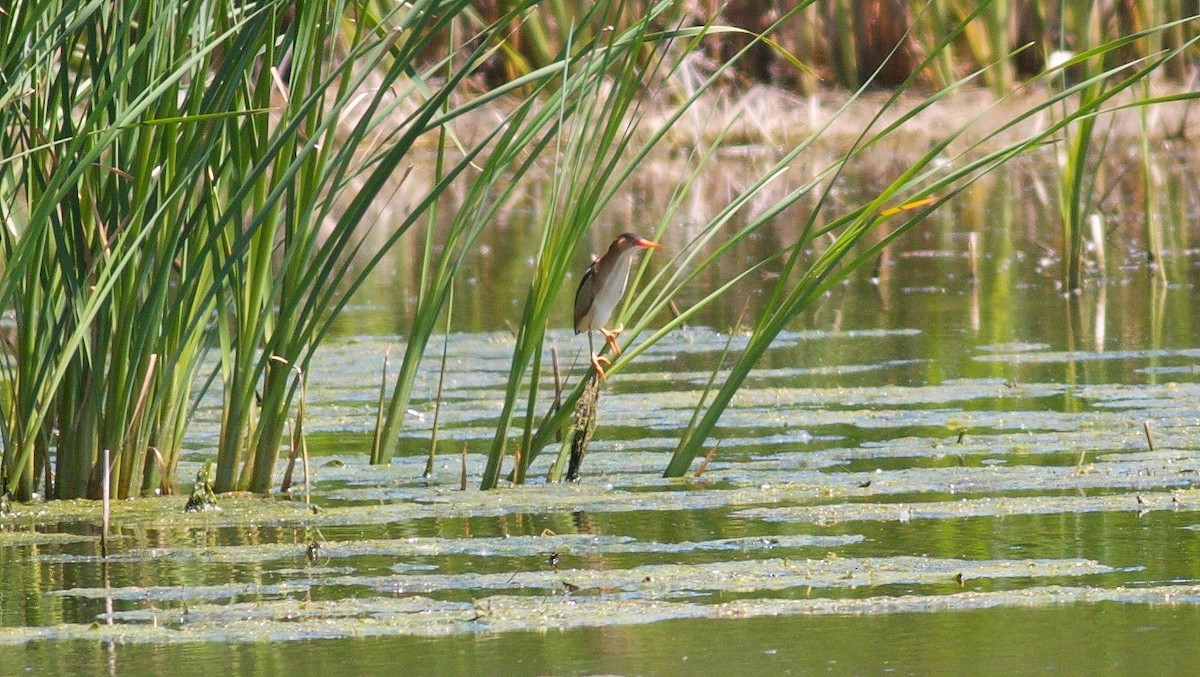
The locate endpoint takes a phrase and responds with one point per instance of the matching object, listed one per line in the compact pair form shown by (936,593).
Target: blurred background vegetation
(845,43)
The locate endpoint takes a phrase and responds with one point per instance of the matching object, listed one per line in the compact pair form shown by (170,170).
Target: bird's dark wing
(584,295)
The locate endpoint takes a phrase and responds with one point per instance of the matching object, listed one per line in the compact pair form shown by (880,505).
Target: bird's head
(627,241)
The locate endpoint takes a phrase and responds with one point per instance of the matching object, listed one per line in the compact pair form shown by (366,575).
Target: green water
(1092,639)
(937,470)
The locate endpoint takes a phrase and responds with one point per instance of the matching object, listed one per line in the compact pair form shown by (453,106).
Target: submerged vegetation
(188,184)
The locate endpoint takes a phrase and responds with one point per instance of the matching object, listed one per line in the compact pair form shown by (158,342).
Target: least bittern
(601,290)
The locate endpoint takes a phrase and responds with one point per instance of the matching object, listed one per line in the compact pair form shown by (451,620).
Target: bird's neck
(618,265)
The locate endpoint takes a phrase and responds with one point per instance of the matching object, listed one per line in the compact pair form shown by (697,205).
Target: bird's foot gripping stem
(598,365)
(610,337)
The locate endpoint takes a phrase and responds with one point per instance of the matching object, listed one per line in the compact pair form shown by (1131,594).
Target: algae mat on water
(431,585)
(829,496)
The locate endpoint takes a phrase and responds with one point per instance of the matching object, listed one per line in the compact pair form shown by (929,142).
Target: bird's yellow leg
(597,361)
(610,337)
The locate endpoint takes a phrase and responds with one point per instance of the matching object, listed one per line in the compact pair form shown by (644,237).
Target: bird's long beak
(646,244)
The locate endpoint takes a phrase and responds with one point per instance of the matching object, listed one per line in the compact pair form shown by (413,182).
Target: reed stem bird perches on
(601,290)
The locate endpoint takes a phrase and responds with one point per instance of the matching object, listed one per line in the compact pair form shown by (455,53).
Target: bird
(601,289)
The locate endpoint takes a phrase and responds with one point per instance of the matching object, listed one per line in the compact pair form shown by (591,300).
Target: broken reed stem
(291,466)
(307,485)
(462,480)
(300,440)
(296,439)
(707,457)
(107,505)
(377,441)
(164,480)
(733,331)
(141,400)
(437,412)
(437,402)
(1149,437)
(558,383)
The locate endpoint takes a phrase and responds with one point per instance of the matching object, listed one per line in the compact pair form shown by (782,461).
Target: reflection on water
(923,280)
(942,467)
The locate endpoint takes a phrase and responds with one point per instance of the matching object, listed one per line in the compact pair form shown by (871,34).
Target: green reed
(529,131)
(103,177)
(923,186)
(1105,70)
(185,177)
(592,171)
(590,157)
